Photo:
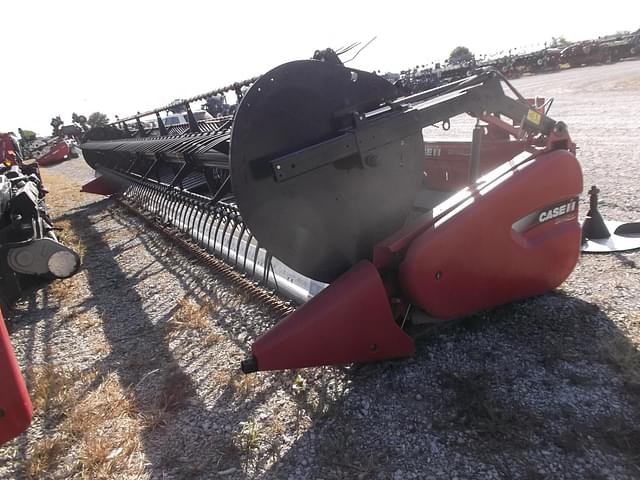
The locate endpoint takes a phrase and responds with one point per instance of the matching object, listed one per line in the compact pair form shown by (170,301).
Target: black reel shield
(318,204)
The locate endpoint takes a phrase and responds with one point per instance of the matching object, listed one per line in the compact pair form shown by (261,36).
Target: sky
(120,57)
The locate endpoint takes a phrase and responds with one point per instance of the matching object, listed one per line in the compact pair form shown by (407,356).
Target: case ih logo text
(552,213)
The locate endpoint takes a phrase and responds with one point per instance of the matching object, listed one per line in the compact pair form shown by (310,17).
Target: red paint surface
(446,164)
(57,153)
(7,150)
(349,321)
(100,186)
(14,398)
(482,261)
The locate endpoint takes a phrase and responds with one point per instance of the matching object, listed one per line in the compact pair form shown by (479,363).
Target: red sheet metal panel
(476,258)
(446,163)
(57,153)
(100,186)
(15,405)
(349,321)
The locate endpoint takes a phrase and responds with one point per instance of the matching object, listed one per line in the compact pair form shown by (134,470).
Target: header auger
(321,188)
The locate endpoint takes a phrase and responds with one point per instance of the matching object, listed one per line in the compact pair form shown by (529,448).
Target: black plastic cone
(594,226)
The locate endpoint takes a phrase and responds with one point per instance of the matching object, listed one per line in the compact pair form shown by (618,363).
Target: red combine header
(59,150)
(322,189)
(30,254)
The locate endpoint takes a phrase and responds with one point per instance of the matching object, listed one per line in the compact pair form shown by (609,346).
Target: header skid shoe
(349,321)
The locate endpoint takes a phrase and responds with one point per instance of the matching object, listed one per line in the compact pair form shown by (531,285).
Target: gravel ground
(133,363)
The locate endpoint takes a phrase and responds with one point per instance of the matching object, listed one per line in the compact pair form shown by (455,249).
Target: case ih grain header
(321,196)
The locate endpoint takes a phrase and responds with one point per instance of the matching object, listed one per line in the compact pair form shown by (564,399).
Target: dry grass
(249,438)
(83,320)
(190,316)
(69,237)
(174,392)
(52,387)
(44,457)
(63,290)
(213,339)
(108,402)
(275,426)
(92,433)
(111,456)
(243,385)
(219,378)
(64,194)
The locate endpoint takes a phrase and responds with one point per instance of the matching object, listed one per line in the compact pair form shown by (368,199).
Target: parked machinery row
(589,52)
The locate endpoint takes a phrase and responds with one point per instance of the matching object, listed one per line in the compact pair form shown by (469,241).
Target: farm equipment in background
(322,190)
(30,253)
(513,64)
(56,150)
(585,53)
(545,60)
(603,50)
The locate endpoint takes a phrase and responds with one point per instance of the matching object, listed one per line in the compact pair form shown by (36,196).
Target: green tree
(56,123)
(460,54)
(27,135)
(559,42)
(97,119)
(80,120)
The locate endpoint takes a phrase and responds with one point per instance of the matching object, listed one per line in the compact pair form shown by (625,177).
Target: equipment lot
(133,364)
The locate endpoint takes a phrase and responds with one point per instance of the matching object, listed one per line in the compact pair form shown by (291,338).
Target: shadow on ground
(538,388)
(546,388)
